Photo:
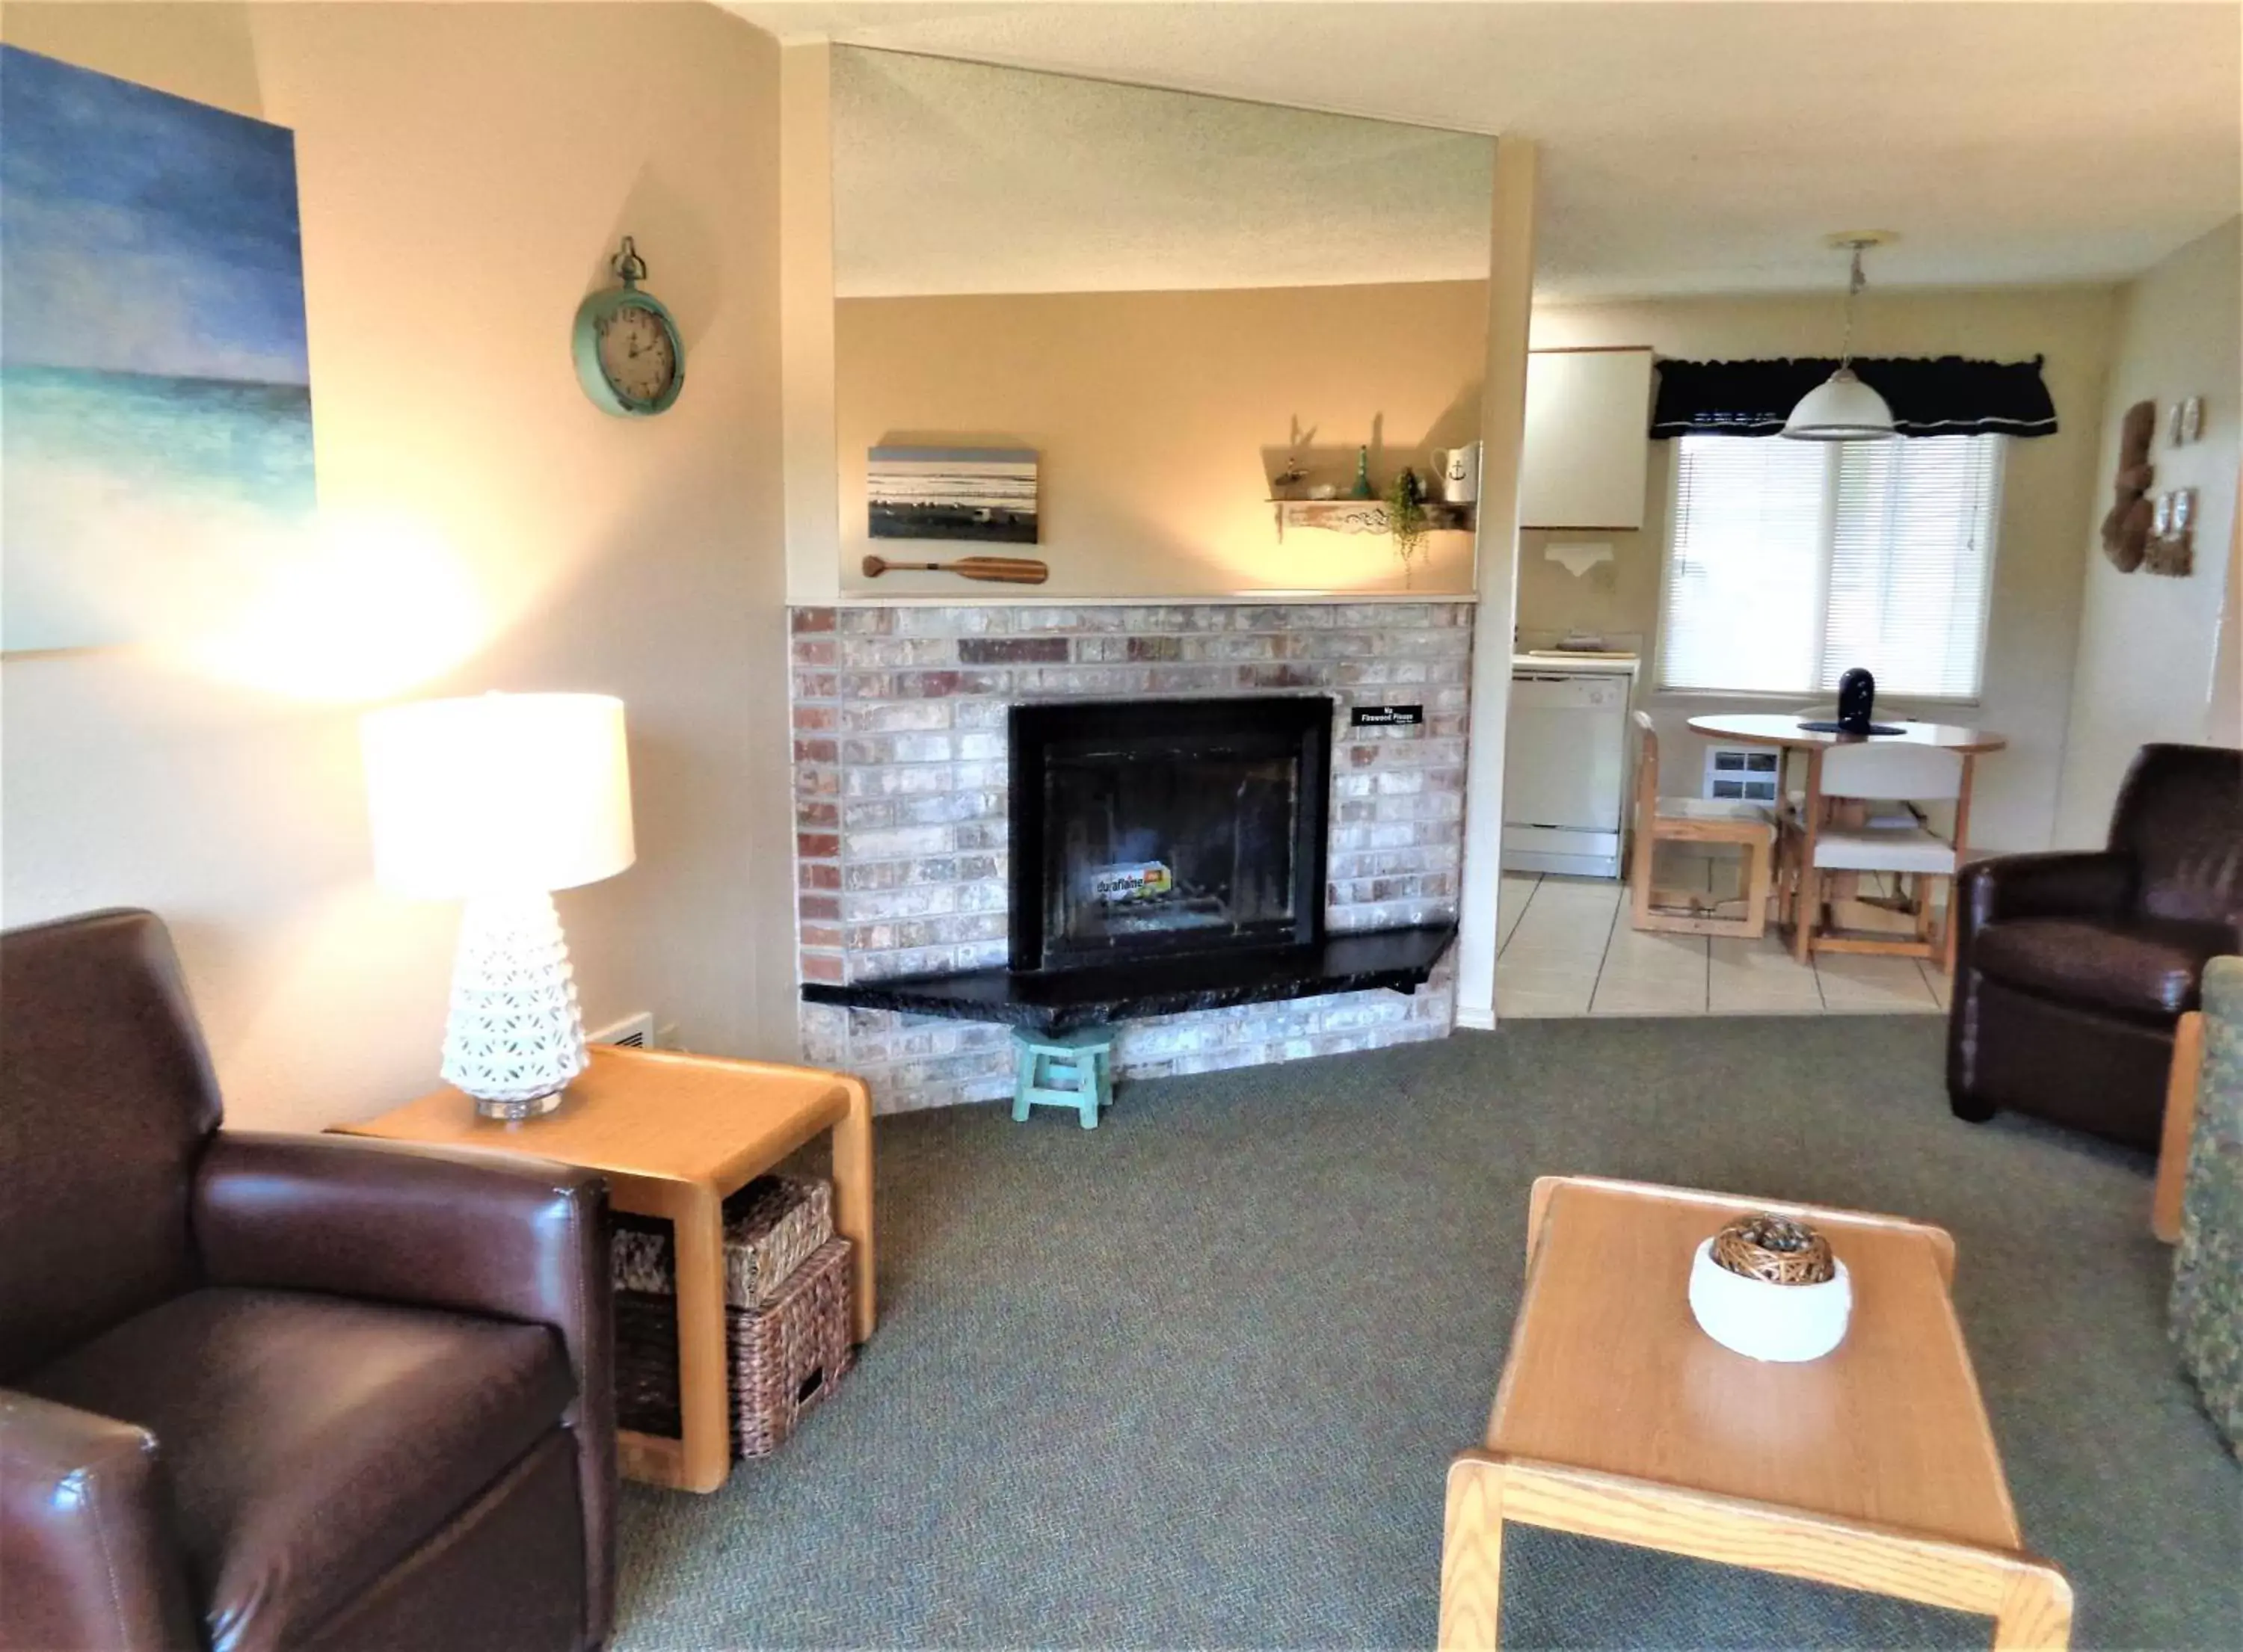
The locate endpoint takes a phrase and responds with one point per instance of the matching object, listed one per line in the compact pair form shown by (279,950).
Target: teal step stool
(1072,1069)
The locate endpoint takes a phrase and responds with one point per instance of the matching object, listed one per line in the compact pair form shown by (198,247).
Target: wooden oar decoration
(999,570)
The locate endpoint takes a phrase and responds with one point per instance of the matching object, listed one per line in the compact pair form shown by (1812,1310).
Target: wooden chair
(1658,820)
(1838,841)
(2182,1084)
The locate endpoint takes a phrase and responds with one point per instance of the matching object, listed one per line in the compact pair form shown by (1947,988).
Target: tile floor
(1567,948)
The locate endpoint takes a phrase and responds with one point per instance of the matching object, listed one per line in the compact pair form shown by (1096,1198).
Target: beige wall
(2148,643)
(805,74)
(1514,215)
(464,171)
(1157,417)
(2047,486)
(2223,723)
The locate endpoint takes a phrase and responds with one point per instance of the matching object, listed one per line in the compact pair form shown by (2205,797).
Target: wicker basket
(771,1226)
(785,1358)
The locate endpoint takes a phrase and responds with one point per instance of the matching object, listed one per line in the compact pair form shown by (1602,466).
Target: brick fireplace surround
(900,784)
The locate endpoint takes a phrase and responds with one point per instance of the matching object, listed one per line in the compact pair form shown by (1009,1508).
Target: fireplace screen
(1167,826)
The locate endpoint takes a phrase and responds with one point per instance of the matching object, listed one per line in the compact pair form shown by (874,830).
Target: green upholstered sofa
(2207,1293)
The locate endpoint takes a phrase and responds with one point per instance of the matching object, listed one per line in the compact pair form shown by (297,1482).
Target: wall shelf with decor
(1368,515)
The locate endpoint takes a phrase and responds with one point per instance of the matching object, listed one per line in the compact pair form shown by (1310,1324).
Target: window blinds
(1911,549)
(1790,561)
(1744,575)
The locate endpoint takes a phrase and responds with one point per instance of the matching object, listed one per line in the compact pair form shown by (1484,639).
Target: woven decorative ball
(1776,1249)
(1769,1288)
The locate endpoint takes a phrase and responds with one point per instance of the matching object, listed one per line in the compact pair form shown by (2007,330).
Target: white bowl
(1785,1322)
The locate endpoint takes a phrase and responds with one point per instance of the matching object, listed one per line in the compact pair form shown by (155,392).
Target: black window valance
(1948,396)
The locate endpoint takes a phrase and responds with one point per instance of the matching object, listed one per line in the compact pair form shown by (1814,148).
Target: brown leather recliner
(269,1390)
(2071,969)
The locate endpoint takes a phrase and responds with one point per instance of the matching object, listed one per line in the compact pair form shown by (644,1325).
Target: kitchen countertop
(1572,660)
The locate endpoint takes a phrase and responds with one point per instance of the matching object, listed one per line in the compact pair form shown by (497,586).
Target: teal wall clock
(628,356)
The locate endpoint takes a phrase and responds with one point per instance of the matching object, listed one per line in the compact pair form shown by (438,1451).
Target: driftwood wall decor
(2171,548)
(2172,554)
(2127,528)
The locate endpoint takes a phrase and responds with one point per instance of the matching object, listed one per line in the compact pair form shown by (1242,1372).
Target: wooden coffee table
(1617,1417)
(676,1134)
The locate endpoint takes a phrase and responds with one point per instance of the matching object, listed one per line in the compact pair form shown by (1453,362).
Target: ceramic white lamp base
(515,1038)
(1766,1321)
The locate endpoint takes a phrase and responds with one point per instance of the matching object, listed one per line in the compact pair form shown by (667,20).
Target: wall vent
(1744,774)
(632,1032)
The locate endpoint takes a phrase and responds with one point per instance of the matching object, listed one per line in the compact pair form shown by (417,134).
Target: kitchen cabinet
(1587,453)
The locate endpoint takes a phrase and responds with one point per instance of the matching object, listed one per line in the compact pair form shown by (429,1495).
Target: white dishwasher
(1565,762)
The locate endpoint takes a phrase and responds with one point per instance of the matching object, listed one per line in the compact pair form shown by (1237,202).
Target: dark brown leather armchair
(270,1391)
(2071,970)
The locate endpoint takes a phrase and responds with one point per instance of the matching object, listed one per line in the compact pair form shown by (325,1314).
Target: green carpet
(1192,1380)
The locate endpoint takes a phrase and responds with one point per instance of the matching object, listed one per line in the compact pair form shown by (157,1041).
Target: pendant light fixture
(1841,408)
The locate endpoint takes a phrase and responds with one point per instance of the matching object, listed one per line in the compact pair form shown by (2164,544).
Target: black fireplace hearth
(1061,1000)
(1147,828)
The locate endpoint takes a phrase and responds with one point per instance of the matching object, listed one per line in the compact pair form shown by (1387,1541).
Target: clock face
(638,356)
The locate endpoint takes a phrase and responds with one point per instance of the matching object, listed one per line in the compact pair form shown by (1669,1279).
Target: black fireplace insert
(1151,828)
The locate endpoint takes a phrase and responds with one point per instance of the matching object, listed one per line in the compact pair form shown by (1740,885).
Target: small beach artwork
(155,388)
(982,494)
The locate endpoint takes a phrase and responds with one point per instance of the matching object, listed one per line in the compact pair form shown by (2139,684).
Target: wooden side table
(676,1134)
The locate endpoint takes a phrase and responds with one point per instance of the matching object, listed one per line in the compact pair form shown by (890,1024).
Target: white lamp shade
(1841,408)
(499,794)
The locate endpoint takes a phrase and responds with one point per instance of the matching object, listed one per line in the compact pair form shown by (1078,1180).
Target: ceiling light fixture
(1841,408)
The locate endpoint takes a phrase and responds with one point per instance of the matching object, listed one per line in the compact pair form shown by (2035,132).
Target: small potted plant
(1406,520)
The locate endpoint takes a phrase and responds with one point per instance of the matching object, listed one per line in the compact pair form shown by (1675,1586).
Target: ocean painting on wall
(156,453)
(986,493)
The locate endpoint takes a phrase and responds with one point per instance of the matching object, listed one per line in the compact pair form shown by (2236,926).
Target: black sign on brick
(1387,716)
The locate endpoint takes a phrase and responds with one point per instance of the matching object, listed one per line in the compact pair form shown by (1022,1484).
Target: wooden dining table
(1787,729)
